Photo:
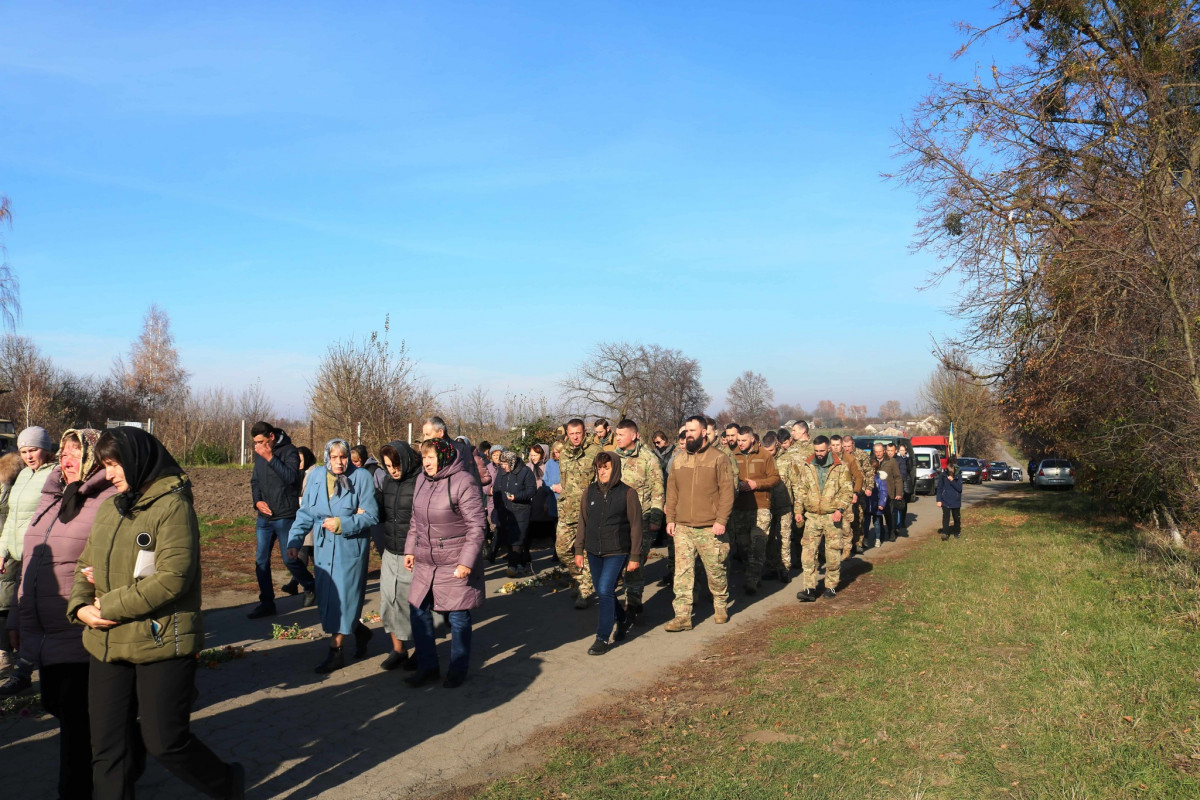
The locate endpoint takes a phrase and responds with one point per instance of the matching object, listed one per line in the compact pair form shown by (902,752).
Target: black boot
(362,635)
(806,595)
(334,660)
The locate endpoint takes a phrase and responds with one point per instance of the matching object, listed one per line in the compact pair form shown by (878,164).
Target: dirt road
(362,733)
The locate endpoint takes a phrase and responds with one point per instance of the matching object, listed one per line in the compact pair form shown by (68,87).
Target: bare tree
(890,410)
(970,404)
(653,385)
(751,401)
(10,287)
(369,382)
(254,405)
(153,374)
(787,411)
(1063,193)
(31,379)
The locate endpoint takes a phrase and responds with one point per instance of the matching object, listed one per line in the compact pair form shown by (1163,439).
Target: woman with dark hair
(402,465)
(444,553)
(137,589)
(541,521)
(54,541)
(308,460)
(610,525)
(338,508)
(513,490)
(360,457)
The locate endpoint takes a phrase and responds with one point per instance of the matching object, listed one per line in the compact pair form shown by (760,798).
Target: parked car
(1054,472)
(926,463)
(970,470)
(1000,471)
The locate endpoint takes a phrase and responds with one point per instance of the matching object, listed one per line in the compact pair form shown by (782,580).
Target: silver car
(1054,472)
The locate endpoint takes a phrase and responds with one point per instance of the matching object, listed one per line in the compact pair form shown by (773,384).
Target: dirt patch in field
(222,492)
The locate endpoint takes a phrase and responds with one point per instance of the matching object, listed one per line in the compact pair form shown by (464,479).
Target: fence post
(359,435)
(410,433)
(243,450)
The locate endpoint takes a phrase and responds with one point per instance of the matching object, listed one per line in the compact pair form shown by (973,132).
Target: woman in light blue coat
(338,507)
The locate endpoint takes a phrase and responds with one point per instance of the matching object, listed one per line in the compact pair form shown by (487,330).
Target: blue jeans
(266,532)
(423,640)
(605,571)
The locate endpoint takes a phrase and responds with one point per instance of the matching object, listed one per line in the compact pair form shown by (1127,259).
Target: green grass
(1042,656)
(213,528)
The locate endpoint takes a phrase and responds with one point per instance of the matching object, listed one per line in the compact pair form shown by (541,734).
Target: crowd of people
(99,554)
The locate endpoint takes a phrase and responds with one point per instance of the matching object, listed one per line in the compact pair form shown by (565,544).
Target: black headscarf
(143,458)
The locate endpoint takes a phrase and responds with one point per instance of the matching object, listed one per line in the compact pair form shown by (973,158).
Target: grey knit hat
(35,436)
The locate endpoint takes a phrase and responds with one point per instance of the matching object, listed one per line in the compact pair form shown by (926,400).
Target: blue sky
(511,182)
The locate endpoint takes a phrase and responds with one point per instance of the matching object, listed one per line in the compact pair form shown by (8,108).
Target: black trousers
(161,693)
(889,519)
(946,528)
(65,695)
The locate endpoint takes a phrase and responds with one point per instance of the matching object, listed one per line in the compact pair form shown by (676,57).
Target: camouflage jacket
(607,443)
(575,464)
(813,499)
(790,460)
(641,469)
(722,448)
(863,459)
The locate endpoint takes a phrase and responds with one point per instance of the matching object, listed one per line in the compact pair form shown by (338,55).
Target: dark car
(970,469)
(1001,471)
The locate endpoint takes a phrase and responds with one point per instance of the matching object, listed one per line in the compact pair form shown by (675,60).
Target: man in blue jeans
(275,487)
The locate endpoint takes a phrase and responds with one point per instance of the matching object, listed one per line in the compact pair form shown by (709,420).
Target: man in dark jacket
(275,488)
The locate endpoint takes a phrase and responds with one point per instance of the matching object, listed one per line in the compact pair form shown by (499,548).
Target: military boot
(720,616)
(678,624)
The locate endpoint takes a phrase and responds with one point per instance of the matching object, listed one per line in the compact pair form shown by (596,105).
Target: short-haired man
(837,447)
(700,493)
(823,490)
(710,425)
(275,491)
(601,434)
(730,439)
(864,498)
(751,518)
(779,541)
(642,471)
(575,466)
(889,472)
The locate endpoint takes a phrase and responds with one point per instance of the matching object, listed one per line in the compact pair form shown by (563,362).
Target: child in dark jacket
(949,499)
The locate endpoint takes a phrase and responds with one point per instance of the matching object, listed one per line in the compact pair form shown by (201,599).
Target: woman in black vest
(610,518)
(401,466)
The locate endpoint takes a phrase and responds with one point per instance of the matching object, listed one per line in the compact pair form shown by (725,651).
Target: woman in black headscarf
(137,589)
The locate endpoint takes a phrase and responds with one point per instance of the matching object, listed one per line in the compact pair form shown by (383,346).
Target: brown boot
(678,624)
(720,616)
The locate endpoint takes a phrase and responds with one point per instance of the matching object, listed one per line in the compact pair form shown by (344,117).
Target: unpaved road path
(363,733)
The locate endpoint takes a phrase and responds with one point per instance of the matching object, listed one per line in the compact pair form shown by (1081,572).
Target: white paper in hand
(144,566)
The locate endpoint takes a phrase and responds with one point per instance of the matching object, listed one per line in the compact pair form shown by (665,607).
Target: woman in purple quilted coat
(444,552)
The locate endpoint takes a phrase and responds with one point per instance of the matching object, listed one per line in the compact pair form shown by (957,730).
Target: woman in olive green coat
(137,589)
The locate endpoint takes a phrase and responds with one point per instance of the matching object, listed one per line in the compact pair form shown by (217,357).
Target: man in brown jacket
(700,492)
(890,473)
(751,520)
(837,447)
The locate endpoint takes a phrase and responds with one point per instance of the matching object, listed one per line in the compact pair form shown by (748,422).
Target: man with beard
(837,447)
(603,437)
(751,520)
(641,471)
(575,464)
(823,490)
(700,493)
(862,499)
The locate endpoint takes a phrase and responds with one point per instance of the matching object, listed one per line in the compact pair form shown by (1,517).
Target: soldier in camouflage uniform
(751,520)
(642,471)
(796,453)
(779,545)
(856,477)
(602,436)
(720,446)
(575,464)
(823,490)
(863,499)
(700,493)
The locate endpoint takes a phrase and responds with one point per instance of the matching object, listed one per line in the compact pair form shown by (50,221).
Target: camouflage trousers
(779,544)
(714,552)
(635,579)
(750,529)
(851,529)
(817,526)
(564,548)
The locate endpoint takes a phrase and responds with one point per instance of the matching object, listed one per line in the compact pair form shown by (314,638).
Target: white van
(927,461)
